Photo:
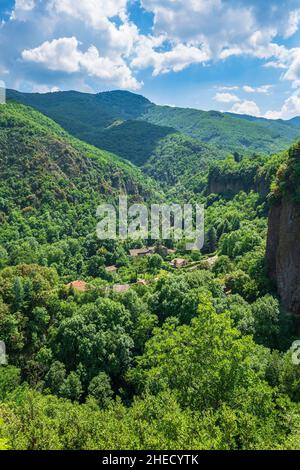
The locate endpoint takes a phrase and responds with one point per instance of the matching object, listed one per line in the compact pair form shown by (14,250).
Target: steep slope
(79,112)
(33,146)
(100,119)
(283,246)
(294,121)
(133,140)
(225,131)
(249,173)
(180,160)
(50,187)
(290,122)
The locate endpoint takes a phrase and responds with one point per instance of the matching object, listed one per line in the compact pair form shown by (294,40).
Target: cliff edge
(283,244)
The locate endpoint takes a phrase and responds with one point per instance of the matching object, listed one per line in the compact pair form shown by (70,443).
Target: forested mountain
(80,112)
(30,140)
(267,122)
(102,120)
(107,350)
(228,132)
(294,121)
(180,161)
(51,186)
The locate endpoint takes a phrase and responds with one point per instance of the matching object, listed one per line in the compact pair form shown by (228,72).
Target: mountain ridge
(92,117)
(146,101)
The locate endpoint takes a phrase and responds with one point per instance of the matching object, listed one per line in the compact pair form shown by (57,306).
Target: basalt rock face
(283,252)
(237,184)
(226,187)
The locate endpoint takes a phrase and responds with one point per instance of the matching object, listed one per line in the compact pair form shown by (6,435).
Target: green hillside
(268,122)
(28,138)
(78,112)
(107,121)
(132,140)
(51,186)
(226,131)
(294,121)
(196,357)
(102,120)
(180,162)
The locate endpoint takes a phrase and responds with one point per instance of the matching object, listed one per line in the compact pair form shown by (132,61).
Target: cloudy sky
(233,55)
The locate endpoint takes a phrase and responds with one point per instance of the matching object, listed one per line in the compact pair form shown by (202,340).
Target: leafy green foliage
(288,176)
(181,160)
(225,131)
(136,129)
(51,186)
(191,358)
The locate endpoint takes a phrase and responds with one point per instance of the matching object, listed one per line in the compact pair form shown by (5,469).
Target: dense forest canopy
(125,123)
(111,351)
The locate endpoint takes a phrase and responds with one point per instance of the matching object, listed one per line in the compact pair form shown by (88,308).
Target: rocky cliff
(283,252)
(252,173)
(233,186)
(283,245)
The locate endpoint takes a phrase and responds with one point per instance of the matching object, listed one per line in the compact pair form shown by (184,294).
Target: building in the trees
(80,286)
(142,252)
(121,288)
(179,263)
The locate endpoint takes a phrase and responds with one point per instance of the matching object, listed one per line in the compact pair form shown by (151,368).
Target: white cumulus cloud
(290,108)
(246,107)
(290,62)
(176,59)
(59,55)
(260,89)
(184,32)
(64,55)
(226,98)
(21,8)
(293,24)
(93,12)
(225,28)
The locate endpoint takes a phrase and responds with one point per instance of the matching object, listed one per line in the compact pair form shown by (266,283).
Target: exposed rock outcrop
(283,252)
(233,186)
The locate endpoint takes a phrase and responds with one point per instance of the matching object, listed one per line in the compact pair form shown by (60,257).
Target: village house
(80,286)
(111,269)
(179,263)
(142,252)
(121,288)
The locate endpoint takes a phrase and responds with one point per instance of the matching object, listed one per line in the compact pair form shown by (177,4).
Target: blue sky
(241,56)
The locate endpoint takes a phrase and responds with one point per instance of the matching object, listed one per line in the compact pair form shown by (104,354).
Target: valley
(138,344)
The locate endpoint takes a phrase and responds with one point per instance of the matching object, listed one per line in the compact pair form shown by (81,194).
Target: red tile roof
(81,286)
